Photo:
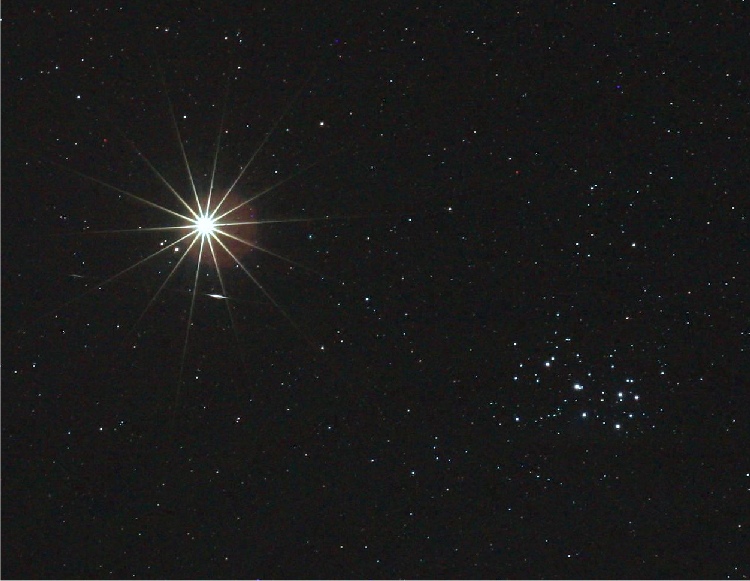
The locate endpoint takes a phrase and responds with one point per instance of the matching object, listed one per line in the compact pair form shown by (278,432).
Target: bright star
(205,225)
(210,229)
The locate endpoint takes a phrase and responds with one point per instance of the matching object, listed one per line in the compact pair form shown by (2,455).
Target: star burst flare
(219,227)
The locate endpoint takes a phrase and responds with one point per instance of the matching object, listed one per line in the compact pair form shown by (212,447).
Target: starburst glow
(225,230)
(219,228)
(205,225)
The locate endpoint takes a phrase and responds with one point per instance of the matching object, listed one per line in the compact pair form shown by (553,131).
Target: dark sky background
(513,337)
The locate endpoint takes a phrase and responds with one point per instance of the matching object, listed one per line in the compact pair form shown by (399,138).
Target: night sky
(496,323)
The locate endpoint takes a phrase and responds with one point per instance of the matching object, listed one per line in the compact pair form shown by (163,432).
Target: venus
(207,229)
(230,226)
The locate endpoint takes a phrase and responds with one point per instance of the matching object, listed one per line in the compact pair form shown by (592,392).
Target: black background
(519,347)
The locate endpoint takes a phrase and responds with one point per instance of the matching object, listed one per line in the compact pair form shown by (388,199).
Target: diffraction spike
(221,231)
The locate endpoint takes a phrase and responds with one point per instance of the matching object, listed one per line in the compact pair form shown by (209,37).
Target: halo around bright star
(205,225)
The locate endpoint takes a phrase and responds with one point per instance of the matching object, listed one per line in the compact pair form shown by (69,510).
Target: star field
(493,323)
